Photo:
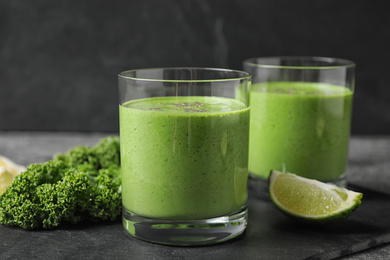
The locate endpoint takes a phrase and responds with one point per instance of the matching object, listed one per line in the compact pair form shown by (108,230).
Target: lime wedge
(310,200)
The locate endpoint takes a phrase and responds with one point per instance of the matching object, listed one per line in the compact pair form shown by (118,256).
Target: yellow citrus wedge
(8,170)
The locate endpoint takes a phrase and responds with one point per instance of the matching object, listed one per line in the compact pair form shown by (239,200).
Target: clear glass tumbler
(184,135)
(300,117)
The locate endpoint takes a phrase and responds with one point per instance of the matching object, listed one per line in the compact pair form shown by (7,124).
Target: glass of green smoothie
(300,117)
(184,136)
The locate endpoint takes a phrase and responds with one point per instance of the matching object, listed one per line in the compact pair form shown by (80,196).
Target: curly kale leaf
(107,151)
(82,185)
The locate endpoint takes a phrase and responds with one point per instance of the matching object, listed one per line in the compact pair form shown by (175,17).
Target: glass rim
(338,62)
(244,74)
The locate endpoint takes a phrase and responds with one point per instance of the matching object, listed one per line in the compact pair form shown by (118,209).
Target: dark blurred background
(59,60)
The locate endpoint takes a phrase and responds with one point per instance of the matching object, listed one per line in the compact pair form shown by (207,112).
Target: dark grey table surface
(270,235)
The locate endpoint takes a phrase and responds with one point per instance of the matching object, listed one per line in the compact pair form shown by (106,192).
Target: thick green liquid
(301,128)
(184,157)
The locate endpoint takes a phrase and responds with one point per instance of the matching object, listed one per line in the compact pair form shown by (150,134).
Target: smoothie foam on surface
(184,157)
(299,127)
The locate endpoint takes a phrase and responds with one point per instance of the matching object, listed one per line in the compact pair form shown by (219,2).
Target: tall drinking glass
(184,136)
(300,117)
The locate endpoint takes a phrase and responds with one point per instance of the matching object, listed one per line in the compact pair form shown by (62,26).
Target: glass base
(259,186)
(186,232)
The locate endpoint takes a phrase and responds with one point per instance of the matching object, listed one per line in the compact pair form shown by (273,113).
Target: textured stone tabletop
(276,238)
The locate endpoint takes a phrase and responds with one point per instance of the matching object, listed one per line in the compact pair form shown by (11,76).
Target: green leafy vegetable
(83,184)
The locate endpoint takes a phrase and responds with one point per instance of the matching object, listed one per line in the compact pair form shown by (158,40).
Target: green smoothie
(184,157)
(301,128)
